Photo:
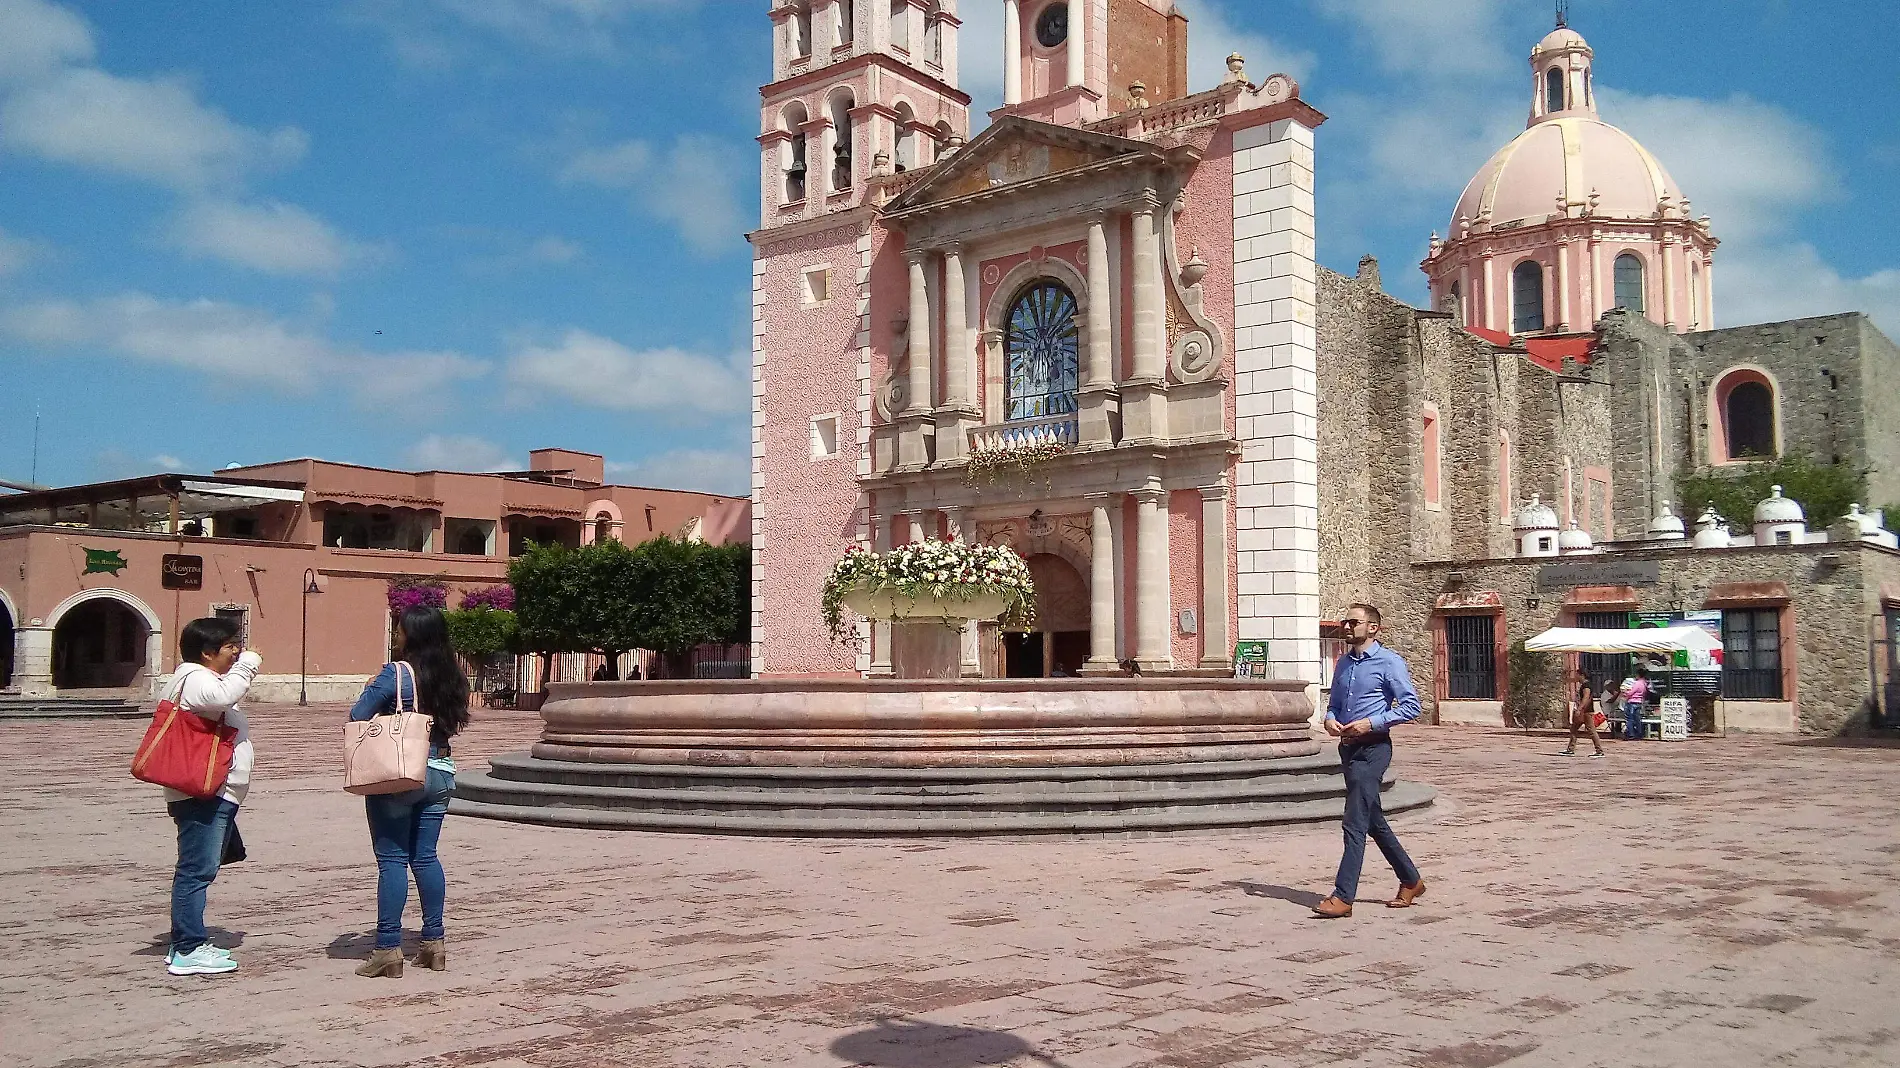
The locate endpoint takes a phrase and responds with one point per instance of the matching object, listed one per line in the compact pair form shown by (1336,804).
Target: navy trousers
(1364,763)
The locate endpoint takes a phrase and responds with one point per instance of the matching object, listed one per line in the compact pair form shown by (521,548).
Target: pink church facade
(1114,265)
(1572,218)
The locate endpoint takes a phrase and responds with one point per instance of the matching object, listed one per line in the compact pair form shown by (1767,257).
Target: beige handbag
(389,753)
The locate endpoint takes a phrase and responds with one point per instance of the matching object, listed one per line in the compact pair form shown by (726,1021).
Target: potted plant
(952,581)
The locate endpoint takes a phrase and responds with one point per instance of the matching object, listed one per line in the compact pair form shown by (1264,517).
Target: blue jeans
(403,829)
(202,823)
(1632,719)
(1364,764)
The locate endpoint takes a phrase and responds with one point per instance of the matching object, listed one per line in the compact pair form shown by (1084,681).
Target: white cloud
(15,253)
(1212,35)
(553,249)
(165,461)
(1440,39)
(689,186)
(1769,283)
(1750,166)
(233,344)
(585,368)
(155,130)
(39,38)
(271,236)
(727,471)
(459,452)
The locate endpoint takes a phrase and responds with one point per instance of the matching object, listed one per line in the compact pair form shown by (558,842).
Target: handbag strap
(178,696)
(399,665)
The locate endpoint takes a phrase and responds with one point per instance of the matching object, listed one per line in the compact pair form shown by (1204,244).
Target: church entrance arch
(1058,639)
(7,625)
(102,642)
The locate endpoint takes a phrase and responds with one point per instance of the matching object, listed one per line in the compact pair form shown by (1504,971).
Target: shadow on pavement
(357,945)
(907,1043)
(161,943)
(1305,899)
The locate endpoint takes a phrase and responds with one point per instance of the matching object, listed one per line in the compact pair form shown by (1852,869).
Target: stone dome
(1560,38)
(1572,156)
(1537,516)
(1711,530)
(1778,509)
(1575,539)
(1667,526)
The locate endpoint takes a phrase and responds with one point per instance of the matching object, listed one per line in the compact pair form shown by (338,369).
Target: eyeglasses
(1353,624)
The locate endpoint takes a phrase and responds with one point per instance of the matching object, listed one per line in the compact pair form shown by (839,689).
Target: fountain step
(70,708)
(1399,797)
(520,767)
(873,801)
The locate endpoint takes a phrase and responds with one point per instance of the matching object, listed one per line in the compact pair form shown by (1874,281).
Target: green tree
(480,634)
(607,598)
(1824,490)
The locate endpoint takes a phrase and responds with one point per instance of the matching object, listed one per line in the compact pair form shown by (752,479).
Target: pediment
(1012,151)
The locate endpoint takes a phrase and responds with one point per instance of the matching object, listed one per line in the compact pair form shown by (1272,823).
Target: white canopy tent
(1641,640)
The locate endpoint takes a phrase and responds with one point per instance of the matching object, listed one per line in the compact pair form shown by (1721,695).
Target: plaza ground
(1716,901)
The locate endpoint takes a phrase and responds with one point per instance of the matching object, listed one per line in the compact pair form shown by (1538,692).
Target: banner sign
(103,562)
(1599,573)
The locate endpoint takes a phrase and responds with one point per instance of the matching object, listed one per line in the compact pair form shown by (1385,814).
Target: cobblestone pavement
(1722,902)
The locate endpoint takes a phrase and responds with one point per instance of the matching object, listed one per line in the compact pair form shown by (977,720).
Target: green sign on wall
(103,562)
(1250,660)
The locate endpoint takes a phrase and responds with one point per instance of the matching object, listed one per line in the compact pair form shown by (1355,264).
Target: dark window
(1751,654)
(1527,297)
(1052,26)
(1629,282)
(1553,89)
(1042,352)
(1474,663)
(1604,668)
(1751,421)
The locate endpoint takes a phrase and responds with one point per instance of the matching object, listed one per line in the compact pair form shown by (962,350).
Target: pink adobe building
(1114,264)
(1572,218)
(96,580)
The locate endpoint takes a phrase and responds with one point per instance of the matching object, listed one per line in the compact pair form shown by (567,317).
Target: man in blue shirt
(1372,692)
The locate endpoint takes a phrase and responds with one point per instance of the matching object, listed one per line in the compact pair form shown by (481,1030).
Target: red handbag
(184,751)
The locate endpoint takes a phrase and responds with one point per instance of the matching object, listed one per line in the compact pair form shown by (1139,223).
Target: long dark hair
(441,688)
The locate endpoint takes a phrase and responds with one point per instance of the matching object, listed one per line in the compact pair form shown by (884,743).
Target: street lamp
(303,653)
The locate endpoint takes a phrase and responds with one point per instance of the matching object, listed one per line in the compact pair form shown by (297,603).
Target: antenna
(1563,13)
(33,475)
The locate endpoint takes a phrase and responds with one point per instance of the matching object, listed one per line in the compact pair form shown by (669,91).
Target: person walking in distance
(1372,693)
(1583,714)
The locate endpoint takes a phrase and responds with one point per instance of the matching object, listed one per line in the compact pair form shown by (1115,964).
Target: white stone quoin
(1276,365)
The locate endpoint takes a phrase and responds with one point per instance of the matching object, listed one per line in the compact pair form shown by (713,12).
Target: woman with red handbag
(215,674)
(405,827)
(1583,713)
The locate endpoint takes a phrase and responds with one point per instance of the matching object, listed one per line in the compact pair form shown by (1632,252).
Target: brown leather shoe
(1333,909)
(1407,895)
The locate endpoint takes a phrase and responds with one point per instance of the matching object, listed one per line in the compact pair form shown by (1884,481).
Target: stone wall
(1835,590)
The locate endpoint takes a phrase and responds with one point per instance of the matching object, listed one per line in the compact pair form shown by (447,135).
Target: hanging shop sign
(177,572)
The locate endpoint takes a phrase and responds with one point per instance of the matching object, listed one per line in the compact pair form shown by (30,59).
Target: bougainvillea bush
(407,593)
(500,597)
(933,570)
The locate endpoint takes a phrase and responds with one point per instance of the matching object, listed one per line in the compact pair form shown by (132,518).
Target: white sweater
(206,693)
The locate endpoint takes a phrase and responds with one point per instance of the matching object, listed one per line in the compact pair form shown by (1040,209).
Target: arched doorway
(99,644)
(1058,641)
(6,644)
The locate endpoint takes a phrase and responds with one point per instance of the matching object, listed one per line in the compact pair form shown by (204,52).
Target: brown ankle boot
(383,962)
(432,955)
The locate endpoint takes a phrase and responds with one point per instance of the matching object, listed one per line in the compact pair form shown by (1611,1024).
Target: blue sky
(444,232)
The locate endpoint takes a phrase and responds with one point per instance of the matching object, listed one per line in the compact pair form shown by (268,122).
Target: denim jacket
(379,698)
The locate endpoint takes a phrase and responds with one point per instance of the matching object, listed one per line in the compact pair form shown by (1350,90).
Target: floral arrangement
(500,597)
(407,593)
(1013,455)
(940,570)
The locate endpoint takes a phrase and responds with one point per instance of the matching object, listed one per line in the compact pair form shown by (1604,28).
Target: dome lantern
(1667,526)
(1779,520)
(1536,529)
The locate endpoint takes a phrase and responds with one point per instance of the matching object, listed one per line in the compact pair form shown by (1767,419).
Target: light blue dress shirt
(1374,686)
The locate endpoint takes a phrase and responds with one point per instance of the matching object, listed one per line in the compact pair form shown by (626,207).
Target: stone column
(883,536)
(1215,643)
(1563,286)
(1708,292)
(1143,416)
(1078,48)
(963,529)
(32,659)
(1466,299)
(1668,261)
(1012,53)
(1152,587)
(1597,303)
(958,413)
(910,433)
(915,519)
(1489,320)
(1098,342)
(1104,572)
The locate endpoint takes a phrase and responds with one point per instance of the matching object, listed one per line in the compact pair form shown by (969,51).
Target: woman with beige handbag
(423,691)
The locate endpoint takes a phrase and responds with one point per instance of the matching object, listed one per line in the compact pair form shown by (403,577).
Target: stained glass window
(1042,352)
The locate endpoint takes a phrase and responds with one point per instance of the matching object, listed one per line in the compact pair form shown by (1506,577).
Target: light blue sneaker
(205,960)
(172,955)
